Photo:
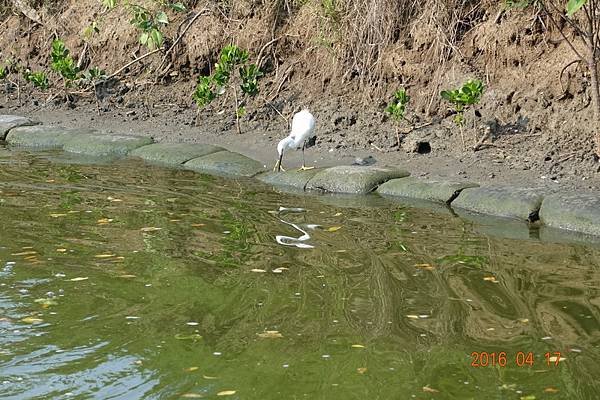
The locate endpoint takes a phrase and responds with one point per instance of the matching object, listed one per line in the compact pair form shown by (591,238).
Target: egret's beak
(277,167)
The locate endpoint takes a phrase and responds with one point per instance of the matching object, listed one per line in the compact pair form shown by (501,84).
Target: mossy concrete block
(295,179)
(102,145)
(353,179)
(501,201)
(573,212)
(174,153)
(42,136)
(431,190)
(8,122)
(225,163)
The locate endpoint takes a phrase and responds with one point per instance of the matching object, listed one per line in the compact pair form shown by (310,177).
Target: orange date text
(520,359)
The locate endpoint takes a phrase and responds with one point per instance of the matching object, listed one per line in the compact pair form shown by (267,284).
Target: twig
(259,58)
(287,121)
(563,71)
(237,114)
(176,42)
(377,148)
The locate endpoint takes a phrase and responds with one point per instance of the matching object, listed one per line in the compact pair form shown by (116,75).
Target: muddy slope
(343,63)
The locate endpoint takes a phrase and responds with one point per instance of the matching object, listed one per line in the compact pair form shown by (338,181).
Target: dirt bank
(343,63)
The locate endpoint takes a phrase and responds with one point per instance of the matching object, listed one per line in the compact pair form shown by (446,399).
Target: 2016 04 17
(502,359)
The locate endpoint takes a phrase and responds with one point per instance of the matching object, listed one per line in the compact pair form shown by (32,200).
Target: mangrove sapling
(92,77)
(63,63)
(150,23)
(469,94)
(39,79)
(209,87)
(396,110)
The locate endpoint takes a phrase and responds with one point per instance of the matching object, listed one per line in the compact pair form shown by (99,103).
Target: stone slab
(294,178)
(43,136)
(353,179)
(225,163)
(174,153)
(501,201)
(101,145)
(573,212)
(8,122)
(432,190)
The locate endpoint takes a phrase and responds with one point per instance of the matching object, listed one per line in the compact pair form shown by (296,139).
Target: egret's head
(284,144)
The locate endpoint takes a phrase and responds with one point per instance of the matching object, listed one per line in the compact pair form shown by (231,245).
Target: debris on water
(192,323)
(150,229)
(270,335)
(361,370)
(258,270)
(79,279)
(226,393)
(131,317)
(217,353)
(325,356)
(357,346)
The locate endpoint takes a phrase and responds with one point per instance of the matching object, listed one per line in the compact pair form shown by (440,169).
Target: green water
(133,282)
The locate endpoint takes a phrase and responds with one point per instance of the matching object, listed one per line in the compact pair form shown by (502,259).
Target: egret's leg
(304,167)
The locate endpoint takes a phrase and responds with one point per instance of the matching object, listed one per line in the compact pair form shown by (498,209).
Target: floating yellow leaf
(27,247)
(193,336)
(174,220)
(333,228)
(61,250)
(127,276)
(24,253)
(361,370)
(258,270)
(337,214)
(358,346)
(191,369)
(192,396)
(79,278)
(30,258)
(490,279)
(412,316)
(427,267)
(104,220)
(50,180)
(32,320)
(150,229)
(58,215)
(279,270)
(523,320)
(46,302)
(226,393)
(209,377)
(270,334)
(427,389)
(110,198)
(551,390)
(197,225)
(104,255)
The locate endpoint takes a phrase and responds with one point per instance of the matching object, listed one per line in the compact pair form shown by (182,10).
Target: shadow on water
(128,281)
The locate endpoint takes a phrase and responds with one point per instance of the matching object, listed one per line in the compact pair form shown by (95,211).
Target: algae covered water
(127,281)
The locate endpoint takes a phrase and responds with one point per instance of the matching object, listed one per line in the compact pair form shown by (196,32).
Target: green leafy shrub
(38,79)
(469,94)
(209,87)
(92,76)
(396,109)
(62,62)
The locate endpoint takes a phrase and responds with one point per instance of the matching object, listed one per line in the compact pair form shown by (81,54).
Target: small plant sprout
(469,94)
(63,63)
(38,79)
(397,108)
(150,23)
(209,87)
(91,77)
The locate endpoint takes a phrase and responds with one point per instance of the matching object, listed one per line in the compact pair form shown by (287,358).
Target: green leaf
(144,38)
(110,4)
(157,38)
(179,7)
(447,95)
(574,5)
(162,18)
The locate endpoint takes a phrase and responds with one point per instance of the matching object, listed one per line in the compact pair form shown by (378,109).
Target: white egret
(303,127)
